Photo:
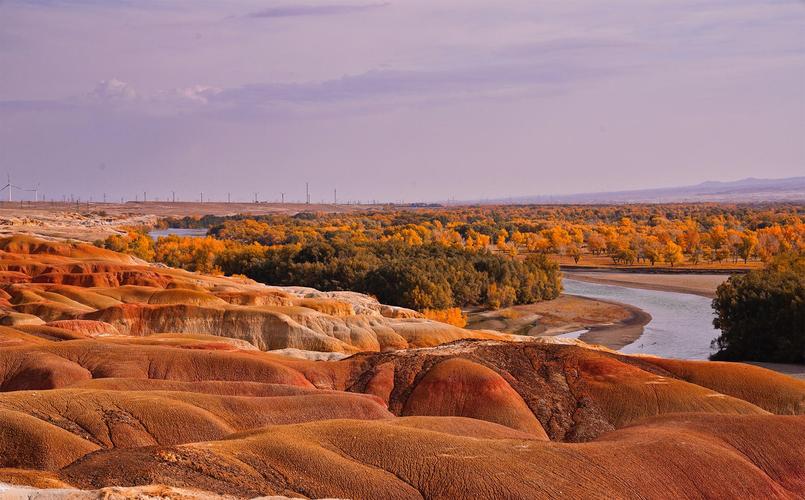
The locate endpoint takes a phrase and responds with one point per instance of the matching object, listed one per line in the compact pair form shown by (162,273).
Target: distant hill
(744,190)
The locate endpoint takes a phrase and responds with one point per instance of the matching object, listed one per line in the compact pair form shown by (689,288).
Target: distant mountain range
(744,190)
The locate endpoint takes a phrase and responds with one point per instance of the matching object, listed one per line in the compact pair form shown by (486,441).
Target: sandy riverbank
(621,333)
(610,324)
(696,284)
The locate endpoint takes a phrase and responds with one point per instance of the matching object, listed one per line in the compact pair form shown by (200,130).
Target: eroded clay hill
(120,378)
(84,291)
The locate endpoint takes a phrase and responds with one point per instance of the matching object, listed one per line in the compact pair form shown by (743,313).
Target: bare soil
(94,221)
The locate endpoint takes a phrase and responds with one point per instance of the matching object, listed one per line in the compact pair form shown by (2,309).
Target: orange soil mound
(86,327)
(574,392)
(31,478)
(627,394)
(457,387)
(22,244)
(70,285)
(219,387)
(256,298)
(60,364)
(50,332)
(770,390)
(11,337)
(571,392)
(185,341)
(701,455)
(33,443)
(74,422)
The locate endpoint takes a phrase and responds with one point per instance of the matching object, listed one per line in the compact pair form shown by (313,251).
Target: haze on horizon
(400,100)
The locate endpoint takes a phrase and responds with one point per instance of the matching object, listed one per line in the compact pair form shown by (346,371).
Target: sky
(399,100)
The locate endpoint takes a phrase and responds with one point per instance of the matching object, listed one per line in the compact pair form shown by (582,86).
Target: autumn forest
(442,258)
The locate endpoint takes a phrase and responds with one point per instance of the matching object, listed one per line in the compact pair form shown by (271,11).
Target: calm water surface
(194,233)
(681,324)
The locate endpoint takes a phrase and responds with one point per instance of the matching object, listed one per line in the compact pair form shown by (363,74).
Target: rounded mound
(458,387)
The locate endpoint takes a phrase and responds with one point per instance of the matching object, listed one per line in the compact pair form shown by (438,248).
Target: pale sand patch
(610,324)
(696,284)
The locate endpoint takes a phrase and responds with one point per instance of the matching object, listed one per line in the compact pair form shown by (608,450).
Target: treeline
(428,276)
(685,234)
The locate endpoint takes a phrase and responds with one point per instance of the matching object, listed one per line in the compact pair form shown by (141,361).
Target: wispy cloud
(389,86)
(113,90)
(377,89)
(314,10)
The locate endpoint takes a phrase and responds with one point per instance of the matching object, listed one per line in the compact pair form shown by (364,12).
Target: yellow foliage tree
(452,316)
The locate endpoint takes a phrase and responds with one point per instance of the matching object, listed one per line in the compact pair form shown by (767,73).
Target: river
(681,324)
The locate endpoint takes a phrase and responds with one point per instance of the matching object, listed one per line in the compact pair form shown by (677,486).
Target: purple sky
(400,100)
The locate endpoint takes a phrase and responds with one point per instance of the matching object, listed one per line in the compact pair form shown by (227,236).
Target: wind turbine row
(9,186)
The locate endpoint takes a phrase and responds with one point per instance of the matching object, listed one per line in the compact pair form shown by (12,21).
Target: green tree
(762,314)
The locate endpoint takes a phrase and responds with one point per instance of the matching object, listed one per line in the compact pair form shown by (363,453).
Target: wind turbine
(36,191)
(9,186)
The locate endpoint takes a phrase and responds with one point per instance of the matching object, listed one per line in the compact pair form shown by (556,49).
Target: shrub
(136,242)
(452,316)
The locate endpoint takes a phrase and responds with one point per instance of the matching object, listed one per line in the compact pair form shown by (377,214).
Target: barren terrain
(93,221)
(121,377)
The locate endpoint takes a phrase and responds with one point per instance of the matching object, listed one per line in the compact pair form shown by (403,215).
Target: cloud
(389,88)
(116,94)
(314,10)
(113,90)
(200,94)
(370,90)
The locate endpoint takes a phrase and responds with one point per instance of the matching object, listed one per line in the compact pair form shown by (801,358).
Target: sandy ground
(68,225)
(94,221)
(610,324)
(696,284)
(621,333)
(178,209)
